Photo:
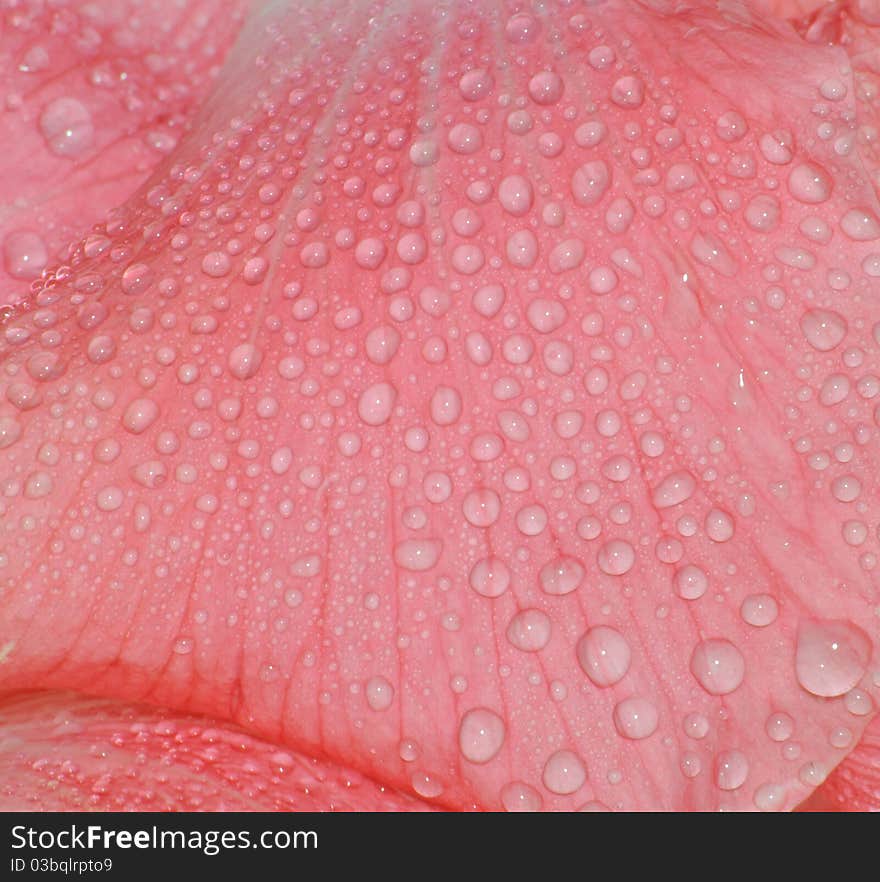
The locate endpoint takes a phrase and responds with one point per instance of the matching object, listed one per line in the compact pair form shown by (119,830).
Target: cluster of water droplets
(487,344)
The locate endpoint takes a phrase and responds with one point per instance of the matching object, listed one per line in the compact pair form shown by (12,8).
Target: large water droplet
(517,796)
(636,718)
(379,693)
(731,770)
(418,555)
(690,582)
(564,773)
(10,432)
(481,735)
(860,224)
(823,329)
(66,124)
(24,254)
(489,577)
(561,576)
(376,403)
(810,184)
(140,415)
(244,361)
(604,655)
(718,666)
(674,489)
(831,656)
(629,92)
(529,630)
(590,182)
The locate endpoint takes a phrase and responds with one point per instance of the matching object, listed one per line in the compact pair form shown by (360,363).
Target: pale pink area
(483,401)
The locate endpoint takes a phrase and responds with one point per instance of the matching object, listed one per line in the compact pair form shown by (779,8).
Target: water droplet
(518,796)
(731,769)
(564,773)
(823,329)
(858,703)
(488,300)
(604,655)
(481,735)
(731,126)
(35,58)
(10,432)
(719,525)
(425,785)
(136,279)
(769,798)
(690,764)
(529,630)
(381,344)
(629,92)
(110,499)
(779,726)
(594,806)
(445,406)
(216,264)
(475,84)
(759,610)
(561,576)
(521,249)
(522,28)
(691,582)
(636,718)
(481,508)
(831,657)
(464,139)
(674,489)
(718,666)
(616,558)
(38,485)
(777,147)
(25,254)
(680,176)
(418,555)
(846,488)
(379,693)
(860,225)
(567,255)
(376,403)
(489,577)
(546,87)
(810,184)
(140,415)
(66,124)
(244,361)
(590,182)
(696,726)
(762,213)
